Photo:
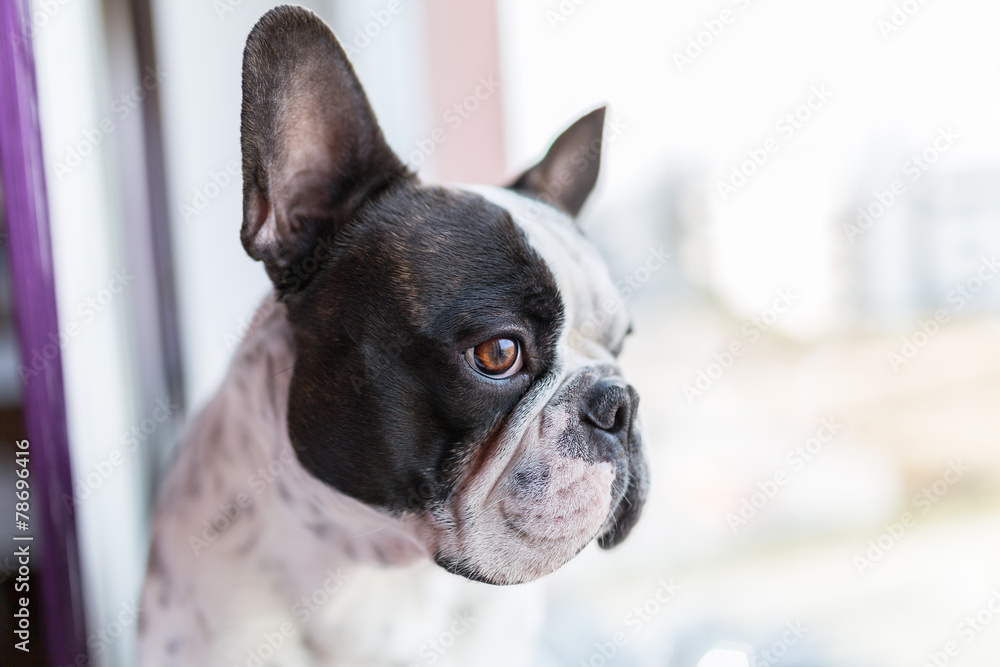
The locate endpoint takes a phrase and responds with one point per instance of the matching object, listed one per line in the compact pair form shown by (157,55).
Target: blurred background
(819,359)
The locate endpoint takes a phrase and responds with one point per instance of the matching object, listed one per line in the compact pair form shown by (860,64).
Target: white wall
(200,49)
(76,111)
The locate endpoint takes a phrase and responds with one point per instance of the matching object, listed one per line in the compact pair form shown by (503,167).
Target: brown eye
(496,358)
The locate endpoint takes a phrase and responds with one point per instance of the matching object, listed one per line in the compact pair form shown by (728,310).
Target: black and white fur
(351,442)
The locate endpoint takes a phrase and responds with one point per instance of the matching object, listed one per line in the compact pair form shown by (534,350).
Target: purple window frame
(30,250)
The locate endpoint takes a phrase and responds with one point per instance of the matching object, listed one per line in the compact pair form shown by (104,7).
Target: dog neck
(239,491)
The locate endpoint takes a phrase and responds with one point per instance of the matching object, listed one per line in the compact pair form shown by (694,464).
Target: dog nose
(610,406)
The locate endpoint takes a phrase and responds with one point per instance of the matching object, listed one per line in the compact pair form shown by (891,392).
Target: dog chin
(538,518)
(516,564)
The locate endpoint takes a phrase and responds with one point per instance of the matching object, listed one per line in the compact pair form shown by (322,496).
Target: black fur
(567,174)
(387,282)
(300,92)
(382,398)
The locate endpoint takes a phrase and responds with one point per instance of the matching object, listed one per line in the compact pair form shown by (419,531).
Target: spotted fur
(352,445)
(214,597)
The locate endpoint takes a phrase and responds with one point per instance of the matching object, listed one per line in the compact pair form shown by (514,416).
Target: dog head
(455,348)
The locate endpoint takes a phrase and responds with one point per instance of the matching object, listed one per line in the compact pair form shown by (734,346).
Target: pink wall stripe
(466,91)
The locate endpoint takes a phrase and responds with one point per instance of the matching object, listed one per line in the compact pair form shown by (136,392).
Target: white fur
(211,603)
(576,504)
(213,597)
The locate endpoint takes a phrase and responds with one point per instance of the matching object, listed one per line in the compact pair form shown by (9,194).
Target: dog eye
(496,358)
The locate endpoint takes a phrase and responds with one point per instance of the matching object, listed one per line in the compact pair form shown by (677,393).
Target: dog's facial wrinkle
(381,333)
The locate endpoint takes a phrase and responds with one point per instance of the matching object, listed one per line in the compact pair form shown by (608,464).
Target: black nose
(610,406)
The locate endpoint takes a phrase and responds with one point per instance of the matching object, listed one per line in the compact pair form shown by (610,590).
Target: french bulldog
(433,380)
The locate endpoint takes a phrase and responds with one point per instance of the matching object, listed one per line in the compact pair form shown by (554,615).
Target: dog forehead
(448,259)
(594,307)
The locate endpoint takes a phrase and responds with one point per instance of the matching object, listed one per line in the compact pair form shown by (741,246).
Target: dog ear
(567,174)
(313,152)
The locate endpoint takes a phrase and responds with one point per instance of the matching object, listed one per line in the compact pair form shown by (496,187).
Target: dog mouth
(562,528)
(541,513)
(538,490)
(463,568)
(569,503)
